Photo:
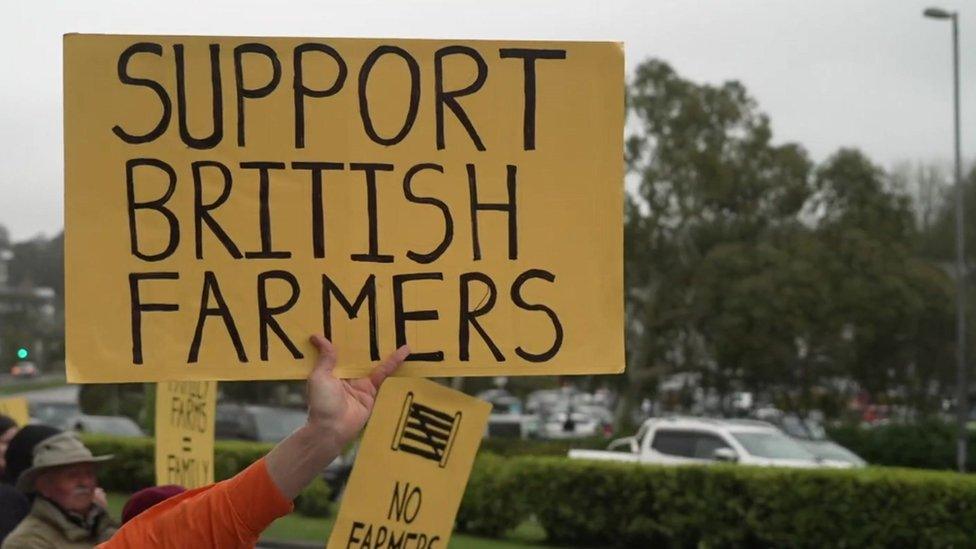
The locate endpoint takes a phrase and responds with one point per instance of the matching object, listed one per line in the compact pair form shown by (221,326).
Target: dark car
(257,423)
(272,424)
(336,474)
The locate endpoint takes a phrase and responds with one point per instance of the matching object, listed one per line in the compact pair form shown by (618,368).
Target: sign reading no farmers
(226,197)
(413,464)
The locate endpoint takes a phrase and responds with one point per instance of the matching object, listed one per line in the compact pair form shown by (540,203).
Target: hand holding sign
(337,411)
(343,405)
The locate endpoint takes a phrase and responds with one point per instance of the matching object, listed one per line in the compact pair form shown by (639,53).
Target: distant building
(28,316)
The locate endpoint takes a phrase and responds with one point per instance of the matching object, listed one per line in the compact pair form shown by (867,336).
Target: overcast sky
(830,73)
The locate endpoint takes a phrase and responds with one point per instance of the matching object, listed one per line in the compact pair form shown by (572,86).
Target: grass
(300,527)
(296,527)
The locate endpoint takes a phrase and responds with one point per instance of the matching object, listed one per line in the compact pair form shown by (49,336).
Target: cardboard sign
(227,197)
(185,419)
(411,469)
(15,408)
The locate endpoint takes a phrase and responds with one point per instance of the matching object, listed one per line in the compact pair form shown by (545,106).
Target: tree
(708,177)
(746,264)
(895,305)
(39,262)
(927,185)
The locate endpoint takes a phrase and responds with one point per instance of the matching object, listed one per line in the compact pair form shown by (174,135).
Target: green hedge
(133,467)
(492,502)
(925,445)
(602,504)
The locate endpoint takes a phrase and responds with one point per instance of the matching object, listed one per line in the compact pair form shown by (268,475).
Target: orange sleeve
(231,513)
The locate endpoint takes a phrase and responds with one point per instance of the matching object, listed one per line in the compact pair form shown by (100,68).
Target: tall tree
(895,306)
(708,176)
(747,265)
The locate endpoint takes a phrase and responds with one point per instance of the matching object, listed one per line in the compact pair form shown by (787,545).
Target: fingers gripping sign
(343,405)
(337,411)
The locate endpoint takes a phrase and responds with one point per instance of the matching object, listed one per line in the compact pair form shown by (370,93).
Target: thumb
(328,357)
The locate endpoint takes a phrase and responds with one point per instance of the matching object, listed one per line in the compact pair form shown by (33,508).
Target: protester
(146,498)
(8,428)
(13,505)
(20,452)
(233,513)
(69,510)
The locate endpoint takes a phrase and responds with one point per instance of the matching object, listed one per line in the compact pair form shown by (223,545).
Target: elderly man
(69,509)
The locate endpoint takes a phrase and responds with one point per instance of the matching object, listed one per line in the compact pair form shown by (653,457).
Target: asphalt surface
(9,380)
(66,393)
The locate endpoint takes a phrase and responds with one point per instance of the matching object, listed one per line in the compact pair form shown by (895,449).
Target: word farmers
(214,308)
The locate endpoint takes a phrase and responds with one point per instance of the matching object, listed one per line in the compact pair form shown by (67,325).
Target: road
(7,380)
(57,393)
(65,393)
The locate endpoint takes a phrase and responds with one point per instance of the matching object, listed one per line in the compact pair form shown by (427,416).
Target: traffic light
(23,353)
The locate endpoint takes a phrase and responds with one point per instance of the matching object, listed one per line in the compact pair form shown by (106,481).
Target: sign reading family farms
(226,197)
(16,408)
(185,424)
(411,469)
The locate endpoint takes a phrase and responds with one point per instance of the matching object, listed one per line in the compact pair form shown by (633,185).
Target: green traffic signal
(23,353)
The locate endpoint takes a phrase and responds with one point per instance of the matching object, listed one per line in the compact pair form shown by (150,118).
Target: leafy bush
(492,503)
(133,467)
(315,500)
(604,504)
(601,504)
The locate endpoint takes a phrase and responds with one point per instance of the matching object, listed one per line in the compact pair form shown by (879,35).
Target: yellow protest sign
(15,408)
(227,197)
(185,417)
(411,469)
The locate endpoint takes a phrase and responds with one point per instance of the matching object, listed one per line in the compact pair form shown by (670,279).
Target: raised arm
(233,513)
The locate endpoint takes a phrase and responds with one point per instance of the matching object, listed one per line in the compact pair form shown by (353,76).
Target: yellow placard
(15,408)
(411,469)
(226,197)
(185,419)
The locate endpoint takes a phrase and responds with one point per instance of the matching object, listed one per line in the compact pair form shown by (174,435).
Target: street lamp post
(962,395)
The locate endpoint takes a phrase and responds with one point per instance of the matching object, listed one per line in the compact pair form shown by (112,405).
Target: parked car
(569,421)
(831,453)
(54,413)
(24,369)
(336,473)
(257,423)
(811,435)
(692,440)
(507,419)
(119,426)
(544,401)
